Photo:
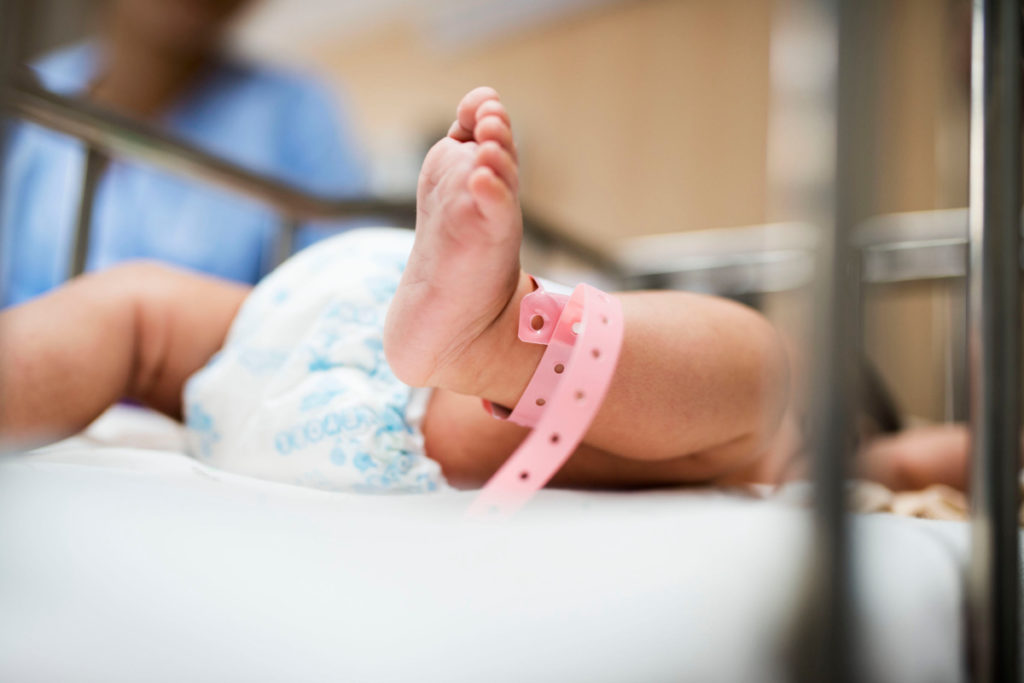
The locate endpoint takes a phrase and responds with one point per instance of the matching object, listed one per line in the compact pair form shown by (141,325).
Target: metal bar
(827,646)
(905,247)
(994,339)
(16,16)
(12,26)
(10,23)
(286,239)
(957,383)
(92,170)
(838,345)
(122,137)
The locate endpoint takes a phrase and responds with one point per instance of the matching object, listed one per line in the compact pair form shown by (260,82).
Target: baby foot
(464,266)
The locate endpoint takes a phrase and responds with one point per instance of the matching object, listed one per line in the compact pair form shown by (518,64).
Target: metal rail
(725,261)
(95,162)
(126,138)
(737,261)
(10,25)
(994,344)
(909,246)
(915,245)
(121,137)
(843,200)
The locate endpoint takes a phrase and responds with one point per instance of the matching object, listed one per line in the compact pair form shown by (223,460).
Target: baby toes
(494,129)
(491,193)
(493,108)
(466,113)
(500,161)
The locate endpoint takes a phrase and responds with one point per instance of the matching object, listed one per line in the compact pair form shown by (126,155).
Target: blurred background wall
(650,116)
(633,116)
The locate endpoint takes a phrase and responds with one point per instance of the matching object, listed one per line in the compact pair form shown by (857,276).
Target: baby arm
(135,331)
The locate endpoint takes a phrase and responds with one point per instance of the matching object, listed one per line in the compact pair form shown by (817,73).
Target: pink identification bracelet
(583,333)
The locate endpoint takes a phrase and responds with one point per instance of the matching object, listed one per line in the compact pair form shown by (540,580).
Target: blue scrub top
(274,122)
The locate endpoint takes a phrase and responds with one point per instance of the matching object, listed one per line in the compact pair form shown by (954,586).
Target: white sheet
(129,564)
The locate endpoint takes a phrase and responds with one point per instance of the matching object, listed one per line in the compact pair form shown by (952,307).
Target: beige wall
(921,165)
(923,150)
(646,116)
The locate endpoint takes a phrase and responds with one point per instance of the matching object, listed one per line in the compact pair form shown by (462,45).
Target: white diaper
(301,392)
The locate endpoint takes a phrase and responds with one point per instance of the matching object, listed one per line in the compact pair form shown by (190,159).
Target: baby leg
(135,331)
(918,457)
(699,379)
(470,446)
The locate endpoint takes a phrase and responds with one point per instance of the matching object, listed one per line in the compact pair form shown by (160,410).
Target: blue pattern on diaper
(363,462)
(321,363)
(348,312)
(382,287)
(302,391)
(300,435)
(392,420)
(319,399)
(200,423)
(261,361)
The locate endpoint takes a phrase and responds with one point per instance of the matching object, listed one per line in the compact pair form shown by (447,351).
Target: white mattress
(139,564)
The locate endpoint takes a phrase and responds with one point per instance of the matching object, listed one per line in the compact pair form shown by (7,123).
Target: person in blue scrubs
(162,61)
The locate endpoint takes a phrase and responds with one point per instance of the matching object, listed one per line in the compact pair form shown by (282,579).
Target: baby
(309,377)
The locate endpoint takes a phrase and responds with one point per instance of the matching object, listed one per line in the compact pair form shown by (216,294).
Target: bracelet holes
(604,319)
(596,353)
(580,395)
(555,438)
(524,475)
(540,401)
(537,323)
(559,368)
